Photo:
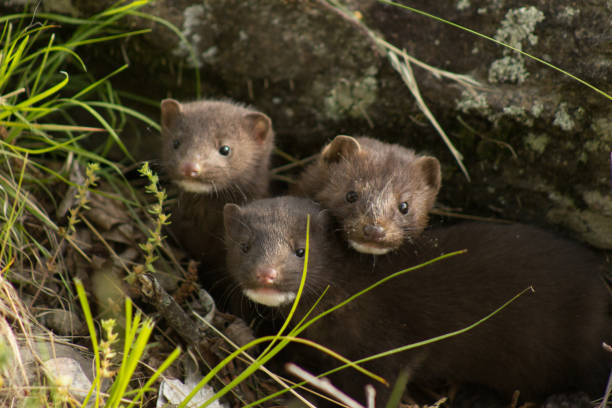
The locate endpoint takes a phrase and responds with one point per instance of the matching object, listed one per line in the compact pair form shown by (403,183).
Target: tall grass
(46,92)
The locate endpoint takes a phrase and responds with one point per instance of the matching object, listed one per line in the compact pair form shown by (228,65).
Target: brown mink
(216,152)
(544,342)
(379,193)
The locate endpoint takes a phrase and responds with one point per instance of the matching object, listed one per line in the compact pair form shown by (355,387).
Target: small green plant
(81,196)
(155,238)
(136,337)
(45,91)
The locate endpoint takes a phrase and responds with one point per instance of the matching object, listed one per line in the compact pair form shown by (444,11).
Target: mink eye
(352,196)
(244,247)
(176,143)
(224,150)
(300,252)
(403,207)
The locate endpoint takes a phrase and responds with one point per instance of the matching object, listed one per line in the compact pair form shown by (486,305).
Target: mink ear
(231,215)
(429,167)
(170,111)
(258,126)
(341,147)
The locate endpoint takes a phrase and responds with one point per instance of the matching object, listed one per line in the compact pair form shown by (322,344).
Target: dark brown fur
(193,134)
(383,176)
(545,342)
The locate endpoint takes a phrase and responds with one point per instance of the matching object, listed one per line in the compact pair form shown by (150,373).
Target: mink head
(213,146)
(379,193)
(266,244)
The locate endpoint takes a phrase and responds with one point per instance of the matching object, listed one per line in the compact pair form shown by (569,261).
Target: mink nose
(373,231)
(266,275)
(191,169)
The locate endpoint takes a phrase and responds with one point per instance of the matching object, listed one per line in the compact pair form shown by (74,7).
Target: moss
(516,28)
(568,13)
(516,113)
(473,101)
(598,202)
(603,128)
(537,108)
(508,69)
(463,5)
(537,143)
(592,227)
(592,145)
(193,19)
(563,119)
(352,97)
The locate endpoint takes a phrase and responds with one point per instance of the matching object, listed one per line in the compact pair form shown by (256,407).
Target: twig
(488,139)
(323,384)
(289,166)
(439,211)
(407,75)
(370,396)
(604,402)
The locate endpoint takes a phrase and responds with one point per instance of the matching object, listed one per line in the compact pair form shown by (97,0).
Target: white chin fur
(269,297)
(194,186)
(369,249)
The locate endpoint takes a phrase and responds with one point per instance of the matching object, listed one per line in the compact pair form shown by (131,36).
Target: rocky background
(536,143)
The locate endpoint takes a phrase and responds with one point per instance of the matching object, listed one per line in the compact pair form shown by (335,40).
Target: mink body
(545,342)
(379,193)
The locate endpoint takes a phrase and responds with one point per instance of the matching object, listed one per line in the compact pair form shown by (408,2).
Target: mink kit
(215,152)
(379,193)
(545,342)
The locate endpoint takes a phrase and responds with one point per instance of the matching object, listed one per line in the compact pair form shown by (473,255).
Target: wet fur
(545,342)
(383,175)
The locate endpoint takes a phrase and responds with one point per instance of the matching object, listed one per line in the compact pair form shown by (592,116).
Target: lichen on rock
(516,28)
(563,119)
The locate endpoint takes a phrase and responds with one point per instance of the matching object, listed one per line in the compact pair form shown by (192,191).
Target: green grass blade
(124,9)
(103,122)
(98,82)
(49,126)
(60,49)
(6,53)
(438,338)
(262,359)
(147,386)
(35,98)
(397,350)
(49,16)
(378,283)
(95,387)
(258,363)
(32,208)
(107,38)
(129,111)
(45,52)
(299,292)
(15,60)
(7,227)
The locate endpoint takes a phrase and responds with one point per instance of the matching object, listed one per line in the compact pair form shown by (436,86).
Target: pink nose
(374,232)
(266,275)
(191,169)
